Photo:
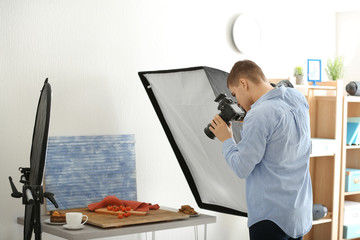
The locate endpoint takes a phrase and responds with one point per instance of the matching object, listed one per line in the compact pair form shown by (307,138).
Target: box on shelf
(353,128)
(351,231)
(352,180)
(351,212)
(322,147)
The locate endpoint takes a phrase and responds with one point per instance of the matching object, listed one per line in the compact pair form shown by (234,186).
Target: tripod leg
(37,225)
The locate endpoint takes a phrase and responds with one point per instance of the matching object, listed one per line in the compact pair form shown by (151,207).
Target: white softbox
(184,102)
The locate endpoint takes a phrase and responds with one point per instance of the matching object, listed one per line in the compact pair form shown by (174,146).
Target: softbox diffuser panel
(184,102)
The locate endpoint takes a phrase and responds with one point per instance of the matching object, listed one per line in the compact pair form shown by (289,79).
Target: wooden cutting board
(111,221)
(105,211)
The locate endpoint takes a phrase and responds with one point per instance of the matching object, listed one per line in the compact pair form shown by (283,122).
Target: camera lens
(208,132)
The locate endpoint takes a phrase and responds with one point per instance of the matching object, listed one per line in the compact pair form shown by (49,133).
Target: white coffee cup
(74,219)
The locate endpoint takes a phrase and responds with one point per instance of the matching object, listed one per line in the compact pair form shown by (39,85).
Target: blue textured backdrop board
(81,170)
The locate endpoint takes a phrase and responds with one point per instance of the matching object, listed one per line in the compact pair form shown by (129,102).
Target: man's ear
(244,83)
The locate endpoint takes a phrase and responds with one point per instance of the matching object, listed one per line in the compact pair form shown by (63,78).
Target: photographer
(273,154)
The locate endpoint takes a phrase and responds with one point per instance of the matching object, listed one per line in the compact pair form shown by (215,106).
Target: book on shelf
(353,128)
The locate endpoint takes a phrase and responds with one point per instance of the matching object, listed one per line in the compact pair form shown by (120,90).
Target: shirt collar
(275,93)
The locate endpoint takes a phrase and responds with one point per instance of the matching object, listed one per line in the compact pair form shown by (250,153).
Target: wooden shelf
(326,155)
(325,108)
(352,147)
(351,193)
(315,87)
(350,159)
(352,99)
(326,219)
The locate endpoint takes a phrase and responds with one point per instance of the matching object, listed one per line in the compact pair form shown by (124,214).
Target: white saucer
(73,228)
(53,223)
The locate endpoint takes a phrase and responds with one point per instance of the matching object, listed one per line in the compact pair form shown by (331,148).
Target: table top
(91,232)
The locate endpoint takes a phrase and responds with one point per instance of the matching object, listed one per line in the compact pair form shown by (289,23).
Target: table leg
(205,231)
(196,232)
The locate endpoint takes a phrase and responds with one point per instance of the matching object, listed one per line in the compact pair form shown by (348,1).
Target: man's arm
(242,157)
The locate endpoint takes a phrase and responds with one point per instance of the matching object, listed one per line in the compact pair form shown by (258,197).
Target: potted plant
(299,74)
(335,69)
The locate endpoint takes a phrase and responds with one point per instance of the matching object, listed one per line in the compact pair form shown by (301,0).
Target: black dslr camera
(229,111)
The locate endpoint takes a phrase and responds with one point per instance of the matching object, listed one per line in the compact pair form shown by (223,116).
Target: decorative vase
(299,80)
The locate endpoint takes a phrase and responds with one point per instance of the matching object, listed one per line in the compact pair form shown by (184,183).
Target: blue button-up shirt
(273,155)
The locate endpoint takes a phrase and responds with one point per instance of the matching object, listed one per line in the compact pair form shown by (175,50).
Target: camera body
(229,111)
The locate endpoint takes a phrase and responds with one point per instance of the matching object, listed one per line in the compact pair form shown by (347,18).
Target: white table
(92,232)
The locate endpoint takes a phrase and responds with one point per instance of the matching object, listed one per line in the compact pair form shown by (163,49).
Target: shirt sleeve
(243,157)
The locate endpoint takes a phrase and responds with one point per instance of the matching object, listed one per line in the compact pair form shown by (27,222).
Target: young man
(273,154)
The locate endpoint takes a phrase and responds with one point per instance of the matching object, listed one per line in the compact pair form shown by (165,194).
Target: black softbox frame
(183,100)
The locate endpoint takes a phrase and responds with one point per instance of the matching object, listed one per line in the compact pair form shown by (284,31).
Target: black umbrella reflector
(38,151)
(184,102)
(40,136)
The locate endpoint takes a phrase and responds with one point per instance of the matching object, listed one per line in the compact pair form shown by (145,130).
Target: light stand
(32,193)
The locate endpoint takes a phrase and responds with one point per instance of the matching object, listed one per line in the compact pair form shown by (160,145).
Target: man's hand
(220,129)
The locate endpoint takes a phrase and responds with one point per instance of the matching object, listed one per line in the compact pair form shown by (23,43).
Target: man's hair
(245,69)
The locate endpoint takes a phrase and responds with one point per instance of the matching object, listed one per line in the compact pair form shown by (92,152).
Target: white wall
(91,51)
(348,43)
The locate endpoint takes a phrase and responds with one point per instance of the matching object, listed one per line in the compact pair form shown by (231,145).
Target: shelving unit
(350,158)
(325,108)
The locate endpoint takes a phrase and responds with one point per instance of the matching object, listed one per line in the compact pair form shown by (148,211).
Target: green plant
(298,71)
(335,69)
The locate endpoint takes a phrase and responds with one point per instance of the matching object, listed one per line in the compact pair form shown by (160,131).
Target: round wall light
(246,34)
